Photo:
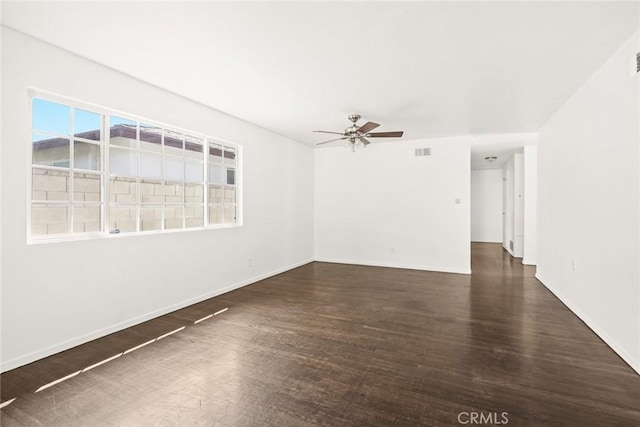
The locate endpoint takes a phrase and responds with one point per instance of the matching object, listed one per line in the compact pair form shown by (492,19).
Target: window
(156,178)
(66,178)
(222,188)
(97,172)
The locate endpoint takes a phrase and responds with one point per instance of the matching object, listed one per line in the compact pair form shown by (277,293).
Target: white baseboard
(529,262)
(65,345)
(390,265)
(632,361)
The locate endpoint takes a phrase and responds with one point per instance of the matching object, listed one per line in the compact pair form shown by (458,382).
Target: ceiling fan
(359,134)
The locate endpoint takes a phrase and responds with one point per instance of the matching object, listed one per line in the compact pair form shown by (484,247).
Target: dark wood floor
(343,345)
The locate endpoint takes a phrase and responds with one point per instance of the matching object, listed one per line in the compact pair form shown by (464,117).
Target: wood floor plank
(340,345)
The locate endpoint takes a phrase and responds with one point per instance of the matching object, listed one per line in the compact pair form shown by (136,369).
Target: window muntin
(96,172)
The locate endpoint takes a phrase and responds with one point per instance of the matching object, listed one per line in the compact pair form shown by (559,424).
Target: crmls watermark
(487,418)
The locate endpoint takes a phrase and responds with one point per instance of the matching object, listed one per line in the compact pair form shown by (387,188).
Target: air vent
(638,62)
(423,152)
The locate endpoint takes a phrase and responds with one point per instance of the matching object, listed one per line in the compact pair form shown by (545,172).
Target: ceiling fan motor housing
(351,130)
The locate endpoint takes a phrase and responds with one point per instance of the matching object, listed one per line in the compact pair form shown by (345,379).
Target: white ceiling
(430,69)
(501,146)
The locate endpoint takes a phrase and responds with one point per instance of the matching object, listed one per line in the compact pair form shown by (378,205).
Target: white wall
(486,205)
(58,295)
(508,175)
(1,184)
(513,205)
(518,205)
(530,250)
(588,206)
(384,206)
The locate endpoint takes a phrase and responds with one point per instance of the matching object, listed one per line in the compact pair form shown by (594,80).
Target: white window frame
(105,174)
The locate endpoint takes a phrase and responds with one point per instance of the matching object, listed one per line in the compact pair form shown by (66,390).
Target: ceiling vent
(423,152)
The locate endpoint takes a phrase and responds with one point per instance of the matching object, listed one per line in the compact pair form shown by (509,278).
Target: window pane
(193,171)
(150,165)
(49,219)
(150,218)
(229,155)
(194,193)
(173,217)
(123,162)
(231,176)
(215,153)
(87,218)
(86,125)
(173,192)
(48,151)
(216,214)
(216,173)
(122,218)
(86,156)
(51,117)
(86,187)
(122,190)
(230,194)
(193,147)
(173,143)
(151,191)
(174,168)
(50,185)
(229,214)
(123,132)
(38,185)
(194,216)
(216,194)
(150,137)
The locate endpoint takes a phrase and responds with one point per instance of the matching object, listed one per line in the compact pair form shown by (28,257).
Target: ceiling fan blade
(367,127)
(331,140)
(396,134)
(326,131)
(365,141)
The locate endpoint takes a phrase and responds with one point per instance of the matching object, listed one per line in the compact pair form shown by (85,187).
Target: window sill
(98,236)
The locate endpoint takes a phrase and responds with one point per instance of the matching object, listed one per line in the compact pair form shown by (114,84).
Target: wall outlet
(573,264)
(249,262)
